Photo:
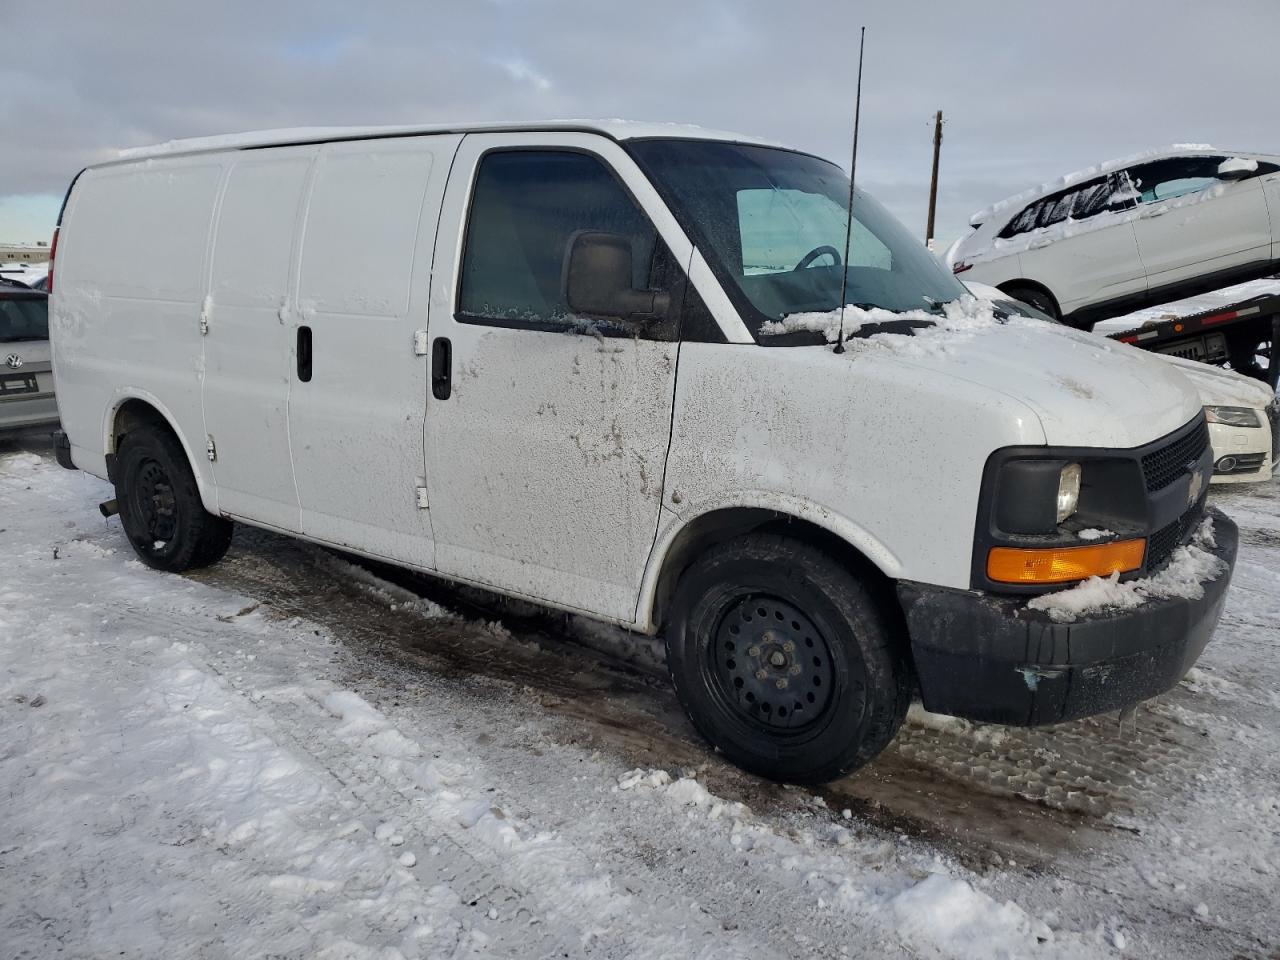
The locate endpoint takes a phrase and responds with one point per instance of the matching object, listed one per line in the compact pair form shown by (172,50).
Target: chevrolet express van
(589,365)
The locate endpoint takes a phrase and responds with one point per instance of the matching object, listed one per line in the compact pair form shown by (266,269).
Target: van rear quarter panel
(132,266)
(875,450)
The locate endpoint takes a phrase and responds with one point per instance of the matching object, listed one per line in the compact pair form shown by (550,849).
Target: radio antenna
(853,169)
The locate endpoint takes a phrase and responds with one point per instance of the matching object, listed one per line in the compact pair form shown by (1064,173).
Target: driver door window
(527,207)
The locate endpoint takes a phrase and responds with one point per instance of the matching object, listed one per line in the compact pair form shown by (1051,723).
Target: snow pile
(1190,567)
(1093,533)
(959,318)
(1238,165)
(953,916)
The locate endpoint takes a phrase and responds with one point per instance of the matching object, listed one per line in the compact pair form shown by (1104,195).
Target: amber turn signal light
(1060,564)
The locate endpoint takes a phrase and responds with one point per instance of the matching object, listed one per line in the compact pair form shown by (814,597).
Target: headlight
(1069,490)
(1233,416)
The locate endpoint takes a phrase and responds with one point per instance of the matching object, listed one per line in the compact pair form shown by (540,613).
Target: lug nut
(762,675)
(789,647)
(782,683)
(795,670)
(754,651)
(767,636)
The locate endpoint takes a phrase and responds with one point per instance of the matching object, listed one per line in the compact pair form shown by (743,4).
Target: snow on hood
(1085,389)
(1223,387)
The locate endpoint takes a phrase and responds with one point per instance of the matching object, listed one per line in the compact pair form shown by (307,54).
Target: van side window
(526,208)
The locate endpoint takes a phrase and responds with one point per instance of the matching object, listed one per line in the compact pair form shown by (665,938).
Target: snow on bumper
(998,660)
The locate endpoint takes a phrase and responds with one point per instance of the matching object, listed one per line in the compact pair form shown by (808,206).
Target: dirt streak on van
(546,359)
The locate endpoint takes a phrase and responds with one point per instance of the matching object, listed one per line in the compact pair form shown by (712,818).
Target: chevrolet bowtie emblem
(1196,486)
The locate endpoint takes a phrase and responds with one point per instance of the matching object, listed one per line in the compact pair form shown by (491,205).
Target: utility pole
(933,183)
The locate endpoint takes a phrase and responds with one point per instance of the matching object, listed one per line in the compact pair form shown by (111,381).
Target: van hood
(1086,390)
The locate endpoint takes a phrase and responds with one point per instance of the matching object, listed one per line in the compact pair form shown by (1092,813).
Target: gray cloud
(1031,90)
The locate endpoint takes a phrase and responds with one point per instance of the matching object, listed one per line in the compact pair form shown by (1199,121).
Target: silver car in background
(26,380)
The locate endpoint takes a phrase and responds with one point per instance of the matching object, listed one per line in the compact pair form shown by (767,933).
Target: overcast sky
(1030,90)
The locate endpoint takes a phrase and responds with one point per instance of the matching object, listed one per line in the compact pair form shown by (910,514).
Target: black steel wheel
(160,507)
(786,661)
(771,664)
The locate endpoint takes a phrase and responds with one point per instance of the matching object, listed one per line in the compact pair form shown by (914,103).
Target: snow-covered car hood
(1085,390)
(1223,387)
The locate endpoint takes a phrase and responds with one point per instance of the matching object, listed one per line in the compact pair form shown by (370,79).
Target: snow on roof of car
(616,129)
(1088,173)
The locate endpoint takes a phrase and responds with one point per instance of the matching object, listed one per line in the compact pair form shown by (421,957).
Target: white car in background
(1243,413)
(1130,233)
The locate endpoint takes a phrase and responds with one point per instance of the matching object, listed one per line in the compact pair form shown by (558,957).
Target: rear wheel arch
(132,411)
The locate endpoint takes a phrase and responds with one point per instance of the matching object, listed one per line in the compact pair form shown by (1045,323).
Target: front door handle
(441,368)
(304,354)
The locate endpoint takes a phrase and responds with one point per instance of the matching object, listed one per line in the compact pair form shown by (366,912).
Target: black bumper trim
(991,659)
(62,450)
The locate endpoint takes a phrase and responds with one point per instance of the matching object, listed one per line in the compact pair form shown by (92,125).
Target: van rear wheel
(785,661)
(160,507)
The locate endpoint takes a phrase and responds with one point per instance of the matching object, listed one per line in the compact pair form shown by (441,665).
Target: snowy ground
(285,755)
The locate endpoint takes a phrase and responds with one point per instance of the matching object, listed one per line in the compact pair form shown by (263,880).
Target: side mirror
(597,280)
(1237,168)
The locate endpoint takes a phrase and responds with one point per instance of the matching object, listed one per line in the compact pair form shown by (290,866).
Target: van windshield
(23,319)
(771,224)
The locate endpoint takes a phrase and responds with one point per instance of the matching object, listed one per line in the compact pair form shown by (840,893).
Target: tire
(1243,353)
(160,507)
(1040,299)
(847,682)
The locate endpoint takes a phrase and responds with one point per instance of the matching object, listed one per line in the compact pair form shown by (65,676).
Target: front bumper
(991,659)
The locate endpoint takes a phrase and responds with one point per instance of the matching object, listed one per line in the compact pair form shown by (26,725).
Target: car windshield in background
(24,318)
(772,223)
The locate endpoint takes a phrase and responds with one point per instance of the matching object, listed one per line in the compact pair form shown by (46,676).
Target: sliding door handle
(441,368)
(304,354)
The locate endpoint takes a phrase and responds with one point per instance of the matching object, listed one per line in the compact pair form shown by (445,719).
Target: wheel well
(1009,286)
(721,525)
(133,414)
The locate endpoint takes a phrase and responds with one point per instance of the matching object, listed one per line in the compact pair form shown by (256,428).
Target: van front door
(358,399)
(547,433)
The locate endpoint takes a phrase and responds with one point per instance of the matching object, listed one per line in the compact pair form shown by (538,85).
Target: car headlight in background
(1233,416)
(1068,490)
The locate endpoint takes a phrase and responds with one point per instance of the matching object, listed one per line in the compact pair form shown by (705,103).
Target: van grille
(1164,541)
(1161,467)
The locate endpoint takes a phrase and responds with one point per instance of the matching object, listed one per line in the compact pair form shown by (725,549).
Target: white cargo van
(590,365)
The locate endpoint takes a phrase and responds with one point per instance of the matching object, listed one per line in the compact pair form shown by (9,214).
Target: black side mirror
(597,280)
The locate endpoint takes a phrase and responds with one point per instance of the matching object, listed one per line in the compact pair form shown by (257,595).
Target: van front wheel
(160,507)
(785,661)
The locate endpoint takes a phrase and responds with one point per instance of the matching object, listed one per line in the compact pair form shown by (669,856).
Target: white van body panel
(127,313)
(356,429)
(801,431)
(248,350)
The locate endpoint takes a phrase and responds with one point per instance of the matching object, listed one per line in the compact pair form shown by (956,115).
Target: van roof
(615,129)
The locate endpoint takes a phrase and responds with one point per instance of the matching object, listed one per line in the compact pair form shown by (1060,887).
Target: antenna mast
(853,169)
